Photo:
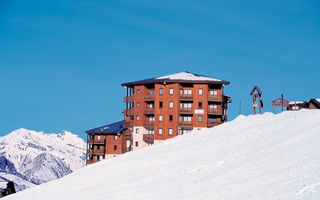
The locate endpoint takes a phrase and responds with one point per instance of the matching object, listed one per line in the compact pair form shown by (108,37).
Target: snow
(187,76)
(252,157)
(38,157)
(318,100)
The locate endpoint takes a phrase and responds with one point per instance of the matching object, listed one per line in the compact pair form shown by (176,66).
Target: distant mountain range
(30,158)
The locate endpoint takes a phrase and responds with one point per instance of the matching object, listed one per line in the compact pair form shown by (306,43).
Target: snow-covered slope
(256,157)
(36,157)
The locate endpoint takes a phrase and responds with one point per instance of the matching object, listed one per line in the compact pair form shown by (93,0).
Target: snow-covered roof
(187,76)
(296,102)
(184,77)
(116,127)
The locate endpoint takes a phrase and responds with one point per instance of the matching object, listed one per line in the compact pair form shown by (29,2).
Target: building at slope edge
(160,108)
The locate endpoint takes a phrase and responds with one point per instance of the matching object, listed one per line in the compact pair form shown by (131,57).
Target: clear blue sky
(62,62)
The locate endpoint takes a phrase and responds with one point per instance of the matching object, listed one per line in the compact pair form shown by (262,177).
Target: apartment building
(161,108)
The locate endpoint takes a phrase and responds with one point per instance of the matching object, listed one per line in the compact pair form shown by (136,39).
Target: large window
(187,92)
(187,118)
(151,118)
(213,92)
(170,131)
(161,91)
(160,118)
(171,91)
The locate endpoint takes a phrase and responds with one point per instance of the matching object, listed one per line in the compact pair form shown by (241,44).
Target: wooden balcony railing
(215,98)
(149,138)
(185,110)
(211,123)
(184,97)
(149,97)
(184,124)
(149,111)
(128,111)
(127,124)
(92,141)
(128,99)
(212,111)
(100,151)
(148,124)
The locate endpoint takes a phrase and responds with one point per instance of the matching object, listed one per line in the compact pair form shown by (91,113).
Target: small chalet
(297,105)
(314,104)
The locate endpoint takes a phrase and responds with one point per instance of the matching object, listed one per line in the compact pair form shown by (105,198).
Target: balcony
(186,111)
(127,124)
(126,149)
(148,124)
(184,124)
(149,97)
(96,151)
(128,111)
(92,141)
(186,97)
(212,111)
(148,138)
(128,99)
(148,111)
(211,123)
(214,98)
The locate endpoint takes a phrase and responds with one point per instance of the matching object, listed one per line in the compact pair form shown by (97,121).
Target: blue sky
(62,62)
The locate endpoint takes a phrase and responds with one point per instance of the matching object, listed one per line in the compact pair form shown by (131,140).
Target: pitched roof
(315,102)
(182,77)
(113,128)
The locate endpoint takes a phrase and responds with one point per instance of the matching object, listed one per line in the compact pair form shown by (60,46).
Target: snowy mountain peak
(41,157)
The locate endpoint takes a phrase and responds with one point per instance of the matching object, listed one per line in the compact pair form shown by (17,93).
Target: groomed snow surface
(255,157)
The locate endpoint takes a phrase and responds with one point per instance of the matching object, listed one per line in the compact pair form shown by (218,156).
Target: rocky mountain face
(30,158)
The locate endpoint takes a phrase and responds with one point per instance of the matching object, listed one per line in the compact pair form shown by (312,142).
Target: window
(150,131)
(114,147)
(170,118)
(187,92)
(151,118)
(171,91)
(160,118)
(213,106)
(138,91)
(187,118)
(99,137)
(200,105)
(137,143)
(115,137)
(187,105)
(151,105)
(152,92)
(98,157)
(200,91)
(98,147)
(170,131)
(160,104)
(160,131)
(137,130)
(161,91)
(171,104)
(213,120)
(213,92)
(138,105)
(199,118)
(138,117)
(181,92)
